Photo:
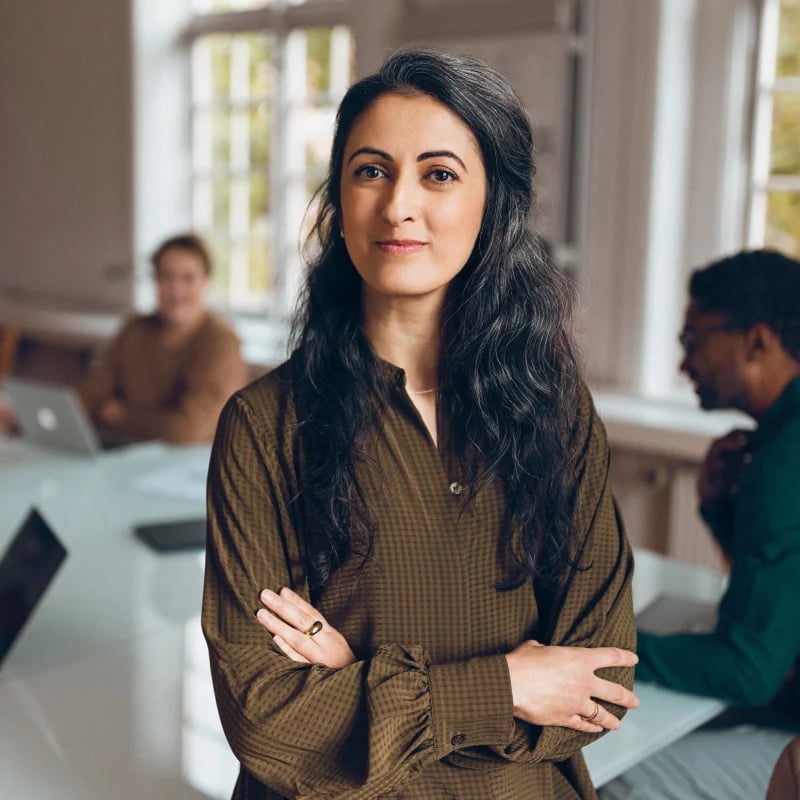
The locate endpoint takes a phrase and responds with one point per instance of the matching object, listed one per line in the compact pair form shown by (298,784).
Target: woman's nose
(402,201)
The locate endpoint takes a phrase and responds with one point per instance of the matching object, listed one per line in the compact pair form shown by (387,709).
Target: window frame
(766,85)
(278,21)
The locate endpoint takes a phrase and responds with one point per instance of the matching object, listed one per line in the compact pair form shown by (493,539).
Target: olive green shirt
(426,711)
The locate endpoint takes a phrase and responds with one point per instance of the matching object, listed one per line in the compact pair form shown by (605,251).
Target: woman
(417,503)
(168,374)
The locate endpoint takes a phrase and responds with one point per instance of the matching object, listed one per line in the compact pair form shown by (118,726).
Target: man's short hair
(753,286)
(188,241)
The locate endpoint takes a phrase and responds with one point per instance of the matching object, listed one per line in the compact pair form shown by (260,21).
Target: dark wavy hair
(753,286)
(510,381)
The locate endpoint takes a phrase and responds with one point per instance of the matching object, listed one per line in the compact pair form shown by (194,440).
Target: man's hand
(719,473)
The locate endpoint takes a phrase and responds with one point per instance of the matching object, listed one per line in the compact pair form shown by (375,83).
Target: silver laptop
(51,415)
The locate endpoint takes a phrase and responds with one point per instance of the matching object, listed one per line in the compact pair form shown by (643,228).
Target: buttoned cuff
(471,704)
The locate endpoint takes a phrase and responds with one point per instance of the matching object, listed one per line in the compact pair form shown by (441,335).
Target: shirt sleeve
(308,730)
(595,608)
(99,385)
(208,380)
(749,654)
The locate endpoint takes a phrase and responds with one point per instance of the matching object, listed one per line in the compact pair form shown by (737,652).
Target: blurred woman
(167,374)
(417,503)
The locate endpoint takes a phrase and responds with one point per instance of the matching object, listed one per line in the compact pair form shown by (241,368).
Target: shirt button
(458,739)
(456,488)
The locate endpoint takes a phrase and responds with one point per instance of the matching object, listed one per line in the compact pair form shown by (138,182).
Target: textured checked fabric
(426,711)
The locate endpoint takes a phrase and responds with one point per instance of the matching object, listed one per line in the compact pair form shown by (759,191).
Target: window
(775,209)
(265,87)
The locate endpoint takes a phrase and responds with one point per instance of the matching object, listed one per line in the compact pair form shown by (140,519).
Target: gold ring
(596,712)
(316,627)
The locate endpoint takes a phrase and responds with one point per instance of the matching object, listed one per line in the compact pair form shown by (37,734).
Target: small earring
(341,233)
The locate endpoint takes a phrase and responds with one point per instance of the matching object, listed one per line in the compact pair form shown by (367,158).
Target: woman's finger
(614,693)
(595,714)
(613,657)
(578,723)
(289,650)
(292,597)
(289,611)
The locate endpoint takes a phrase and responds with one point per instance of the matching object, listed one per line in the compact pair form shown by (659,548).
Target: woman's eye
(369,172)
(442,176)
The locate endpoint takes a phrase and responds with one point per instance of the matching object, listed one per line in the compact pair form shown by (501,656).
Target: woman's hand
(290,622)
(557,685)
(111,412)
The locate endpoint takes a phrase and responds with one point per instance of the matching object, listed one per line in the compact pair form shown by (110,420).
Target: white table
(107,693)
(663,715)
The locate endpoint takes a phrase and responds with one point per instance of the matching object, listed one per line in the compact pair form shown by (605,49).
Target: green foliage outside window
(783,207)
(789,39)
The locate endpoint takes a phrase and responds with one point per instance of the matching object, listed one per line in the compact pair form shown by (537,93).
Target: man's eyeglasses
(689,338)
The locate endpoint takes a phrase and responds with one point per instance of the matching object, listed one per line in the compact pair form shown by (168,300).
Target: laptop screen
(27,567)
(51,415)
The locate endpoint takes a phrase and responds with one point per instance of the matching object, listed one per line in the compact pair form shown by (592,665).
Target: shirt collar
(786,407)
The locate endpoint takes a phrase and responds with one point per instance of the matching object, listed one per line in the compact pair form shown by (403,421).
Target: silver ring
(316,627)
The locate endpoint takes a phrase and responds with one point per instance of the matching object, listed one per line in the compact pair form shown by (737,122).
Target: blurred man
(741,341)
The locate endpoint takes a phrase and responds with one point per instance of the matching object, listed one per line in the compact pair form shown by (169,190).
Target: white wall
(66,150)
(89,187)
(668,161)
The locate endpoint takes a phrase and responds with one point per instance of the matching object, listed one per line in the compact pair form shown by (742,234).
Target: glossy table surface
(107,691)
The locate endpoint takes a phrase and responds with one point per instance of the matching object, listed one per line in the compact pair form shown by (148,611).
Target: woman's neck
(176,332)
(407,336)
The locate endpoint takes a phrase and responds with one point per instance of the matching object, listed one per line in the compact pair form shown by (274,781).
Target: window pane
(259,202)
(260,135)
(261,277)
(318,68)
(221,192)
(211,138)
(783,222)
(221,258)
(243,109)
(789,39)
(785,151)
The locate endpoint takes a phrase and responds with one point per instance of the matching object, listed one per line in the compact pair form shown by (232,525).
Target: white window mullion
(762,127)
(298,127)
(228,188)
(239,222)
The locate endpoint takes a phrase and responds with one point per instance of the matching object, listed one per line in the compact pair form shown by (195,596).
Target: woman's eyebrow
(442,154)
(373,151)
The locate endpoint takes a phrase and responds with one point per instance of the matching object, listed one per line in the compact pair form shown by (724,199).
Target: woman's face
(181,283)
(412,194)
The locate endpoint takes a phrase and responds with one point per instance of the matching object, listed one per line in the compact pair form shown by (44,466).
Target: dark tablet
(181,534)
(27,568)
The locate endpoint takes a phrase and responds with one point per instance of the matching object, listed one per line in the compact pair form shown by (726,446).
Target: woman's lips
(400,246)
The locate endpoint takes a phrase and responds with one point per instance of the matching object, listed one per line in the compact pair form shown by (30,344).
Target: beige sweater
(169,392)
